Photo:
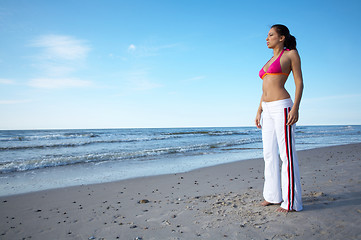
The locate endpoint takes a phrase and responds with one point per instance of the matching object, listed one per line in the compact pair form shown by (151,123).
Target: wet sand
(220,202)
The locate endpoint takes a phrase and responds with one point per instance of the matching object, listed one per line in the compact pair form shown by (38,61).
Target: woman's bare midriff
(274,88)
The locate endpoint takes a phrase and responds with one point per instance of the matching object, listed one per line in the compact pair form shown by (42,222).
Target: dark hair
(282,30)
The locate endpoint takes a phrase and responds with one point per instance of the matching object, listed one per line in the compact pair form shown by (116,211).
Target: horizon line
(110,128)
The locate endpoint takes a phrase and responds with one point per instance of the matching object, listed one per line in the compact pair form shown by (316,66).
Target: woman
(279,115)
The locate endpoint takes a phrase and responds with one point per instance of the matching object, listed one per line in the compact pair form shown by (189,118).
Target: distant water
(33,160)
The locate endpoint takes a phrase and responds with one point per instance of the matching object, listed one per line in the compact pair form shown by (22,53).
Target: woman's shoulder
(292,53)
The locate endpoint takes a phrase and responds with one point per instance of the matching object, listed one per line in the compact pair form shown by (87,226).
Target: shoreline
(44,160)
(217,202)
(67,173)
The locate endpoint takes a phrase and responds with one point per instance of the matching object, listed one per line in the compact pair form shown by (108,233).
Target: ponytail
(290,42)
(282,30)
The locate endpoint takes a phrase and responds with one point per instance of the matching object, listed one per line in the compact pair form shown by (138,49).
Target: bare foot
(265,203)
(284,210)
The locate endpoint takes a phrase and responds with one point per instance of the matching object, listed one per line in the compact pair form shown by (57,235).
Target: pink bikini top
(274,68)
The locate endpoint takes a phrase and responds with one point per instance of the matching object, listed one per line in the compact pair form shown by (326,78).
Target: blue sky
(120,64)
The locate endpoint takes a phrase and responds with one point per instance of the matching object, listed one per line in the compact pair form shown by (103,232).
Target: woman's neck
(277,50)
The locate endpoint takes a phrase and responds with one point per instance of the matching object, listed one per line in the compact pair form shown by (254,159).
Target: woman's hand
(292,117)
(258,120)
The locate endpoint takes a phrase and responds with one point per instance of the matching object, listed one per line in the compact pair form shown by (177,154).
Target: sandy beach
(220,202)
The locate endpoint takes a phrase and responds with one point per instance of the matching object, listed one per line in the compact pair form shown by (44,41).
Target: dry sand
(220,202)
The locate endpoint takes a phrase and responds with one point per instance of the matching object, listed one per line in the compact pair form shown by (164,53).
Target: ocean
(33,160)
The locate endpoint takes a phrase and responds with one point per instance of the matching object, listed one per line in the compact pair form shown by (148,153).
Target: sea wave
(56,136)
(210,133)
(55,161)
(36,149)
(41,145)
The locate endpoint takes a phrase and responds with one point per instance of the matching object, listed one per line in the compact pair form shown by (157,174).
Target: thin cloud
(131,47)
(194,79)
(56,69)
(52,83)
(61,47)
(149,50)
(59,57)
(5,102)
(6,81)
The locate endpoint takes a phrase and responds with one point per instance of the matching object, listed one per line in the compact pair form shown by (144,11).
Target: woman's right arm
(259,113)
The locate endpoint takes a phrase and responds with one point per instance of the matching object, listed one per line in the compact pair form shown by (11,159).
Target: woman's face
(273,38)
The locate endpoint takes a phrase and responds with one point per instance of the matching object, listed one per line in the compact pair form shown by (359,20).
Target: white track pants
(277,138)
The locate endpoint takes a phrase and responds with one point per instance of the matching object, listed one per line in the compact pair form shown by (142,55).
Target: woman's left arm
(297,75)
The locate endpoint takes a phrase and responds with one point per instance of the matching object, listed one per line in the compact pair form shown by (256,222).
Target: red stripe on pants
(288,159)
